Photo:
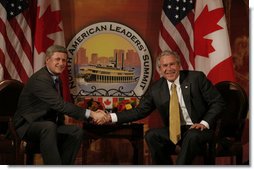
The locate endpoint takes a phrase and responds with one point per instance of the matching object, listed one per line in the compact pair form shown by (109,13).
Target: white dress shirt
(185,117)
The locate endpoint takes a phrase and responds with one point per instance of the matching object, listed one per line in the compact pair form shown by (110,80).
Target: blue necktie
(57,85)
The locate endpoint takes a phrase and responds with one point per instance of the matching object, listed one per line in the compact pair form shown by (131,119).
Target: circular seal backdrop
(108,59)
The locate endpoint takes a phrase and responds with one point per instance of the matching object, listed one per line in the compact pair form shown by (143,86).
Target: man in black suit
(40,114)
(199,102)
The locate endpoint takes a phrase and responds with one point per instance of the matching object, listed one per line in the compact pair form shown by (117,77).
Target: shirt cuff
(113,117)
(87,113)
(205,124)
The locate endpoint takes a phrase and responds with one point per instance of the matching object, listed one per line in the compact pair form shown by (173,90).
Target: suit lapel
(186,89)
(164,96)
(61,86)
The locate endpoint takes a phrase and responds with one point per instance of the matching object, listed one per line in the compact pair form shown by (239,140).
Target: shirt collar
(176,82)
(52,75)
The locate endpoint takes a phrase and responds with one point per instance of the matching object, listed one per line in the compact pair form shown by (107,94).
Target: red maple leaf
(107,102)
(205,24)
(47,24)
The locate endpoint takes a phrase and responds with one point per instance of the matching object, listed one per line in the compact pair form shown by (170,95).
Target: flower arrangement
(124,105)
(118,105)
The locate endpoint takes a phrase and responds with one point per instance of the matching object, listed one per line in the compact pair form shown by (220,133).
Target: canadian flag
(49,31)
(211,41)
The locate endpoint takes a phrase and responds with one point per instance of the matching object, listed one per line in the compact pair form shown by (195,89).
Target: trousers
(192,142)
(59,145)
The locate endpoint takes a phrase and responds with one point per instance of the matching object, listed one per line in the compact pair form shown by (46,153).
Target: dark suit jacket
(38,98)
(202,100)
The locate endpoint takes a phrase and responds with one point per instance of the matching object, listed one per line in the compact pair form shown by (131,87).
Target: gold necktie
(174,116)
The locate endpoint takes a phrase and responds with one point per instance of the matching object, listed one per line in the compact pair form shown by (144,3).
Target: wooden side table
(133,132)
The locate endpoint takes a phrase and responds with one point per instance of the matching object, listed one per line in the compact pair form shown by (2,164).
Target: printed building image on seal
(114,72)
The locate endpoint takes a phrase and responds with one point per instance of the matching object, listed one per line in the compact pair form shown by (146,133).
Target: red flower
(124,105)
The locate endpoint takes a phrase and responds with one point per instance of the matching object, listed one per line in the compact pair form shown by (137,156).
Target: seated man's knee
(48,127)
(192,135)
(152,135)
(149,134)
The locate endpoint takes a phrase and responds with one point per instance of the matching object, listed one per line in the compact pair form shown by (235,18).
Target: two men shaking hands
(100,117)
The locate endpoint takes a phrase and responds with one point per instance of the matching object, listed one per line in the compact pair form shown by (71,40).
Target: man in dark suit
(199,103)
(40,114)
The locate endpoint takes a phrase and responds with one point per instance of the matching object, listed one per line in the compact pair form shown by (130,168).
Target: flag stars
(176,10)
(14,7)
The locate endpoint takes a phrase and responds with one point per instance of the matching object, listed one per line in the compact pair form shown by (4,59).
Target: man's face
(57,62)
(169,67)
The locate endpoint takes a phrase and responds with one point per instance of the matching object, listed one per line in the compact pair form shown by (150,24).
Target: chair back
(9,94)
(10,147)
(233,117)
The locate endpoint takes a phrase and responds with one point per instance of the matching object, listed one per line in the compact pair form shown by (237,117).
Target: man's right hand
(100,117)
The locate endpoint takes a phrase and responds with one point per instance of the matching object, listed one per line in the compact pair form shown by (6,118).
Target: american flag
(27,29)
(177,29)
(197,31)
(16,56)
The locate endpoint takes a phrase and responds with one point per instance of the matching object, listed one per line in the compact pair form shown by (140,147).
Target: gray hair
(166,53)
(55,48)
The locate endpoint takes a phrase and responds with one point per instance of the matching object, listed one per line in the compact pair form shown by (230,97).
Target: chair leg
(239,158)
(210,154)
(29,158)
(19,158)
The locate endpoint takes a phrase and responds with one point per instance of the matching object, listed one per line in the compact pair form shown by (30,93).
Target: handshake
(100,117)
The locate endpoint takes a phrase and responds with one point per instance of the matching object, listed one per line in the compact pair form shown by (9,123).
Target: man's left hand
(198,126)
